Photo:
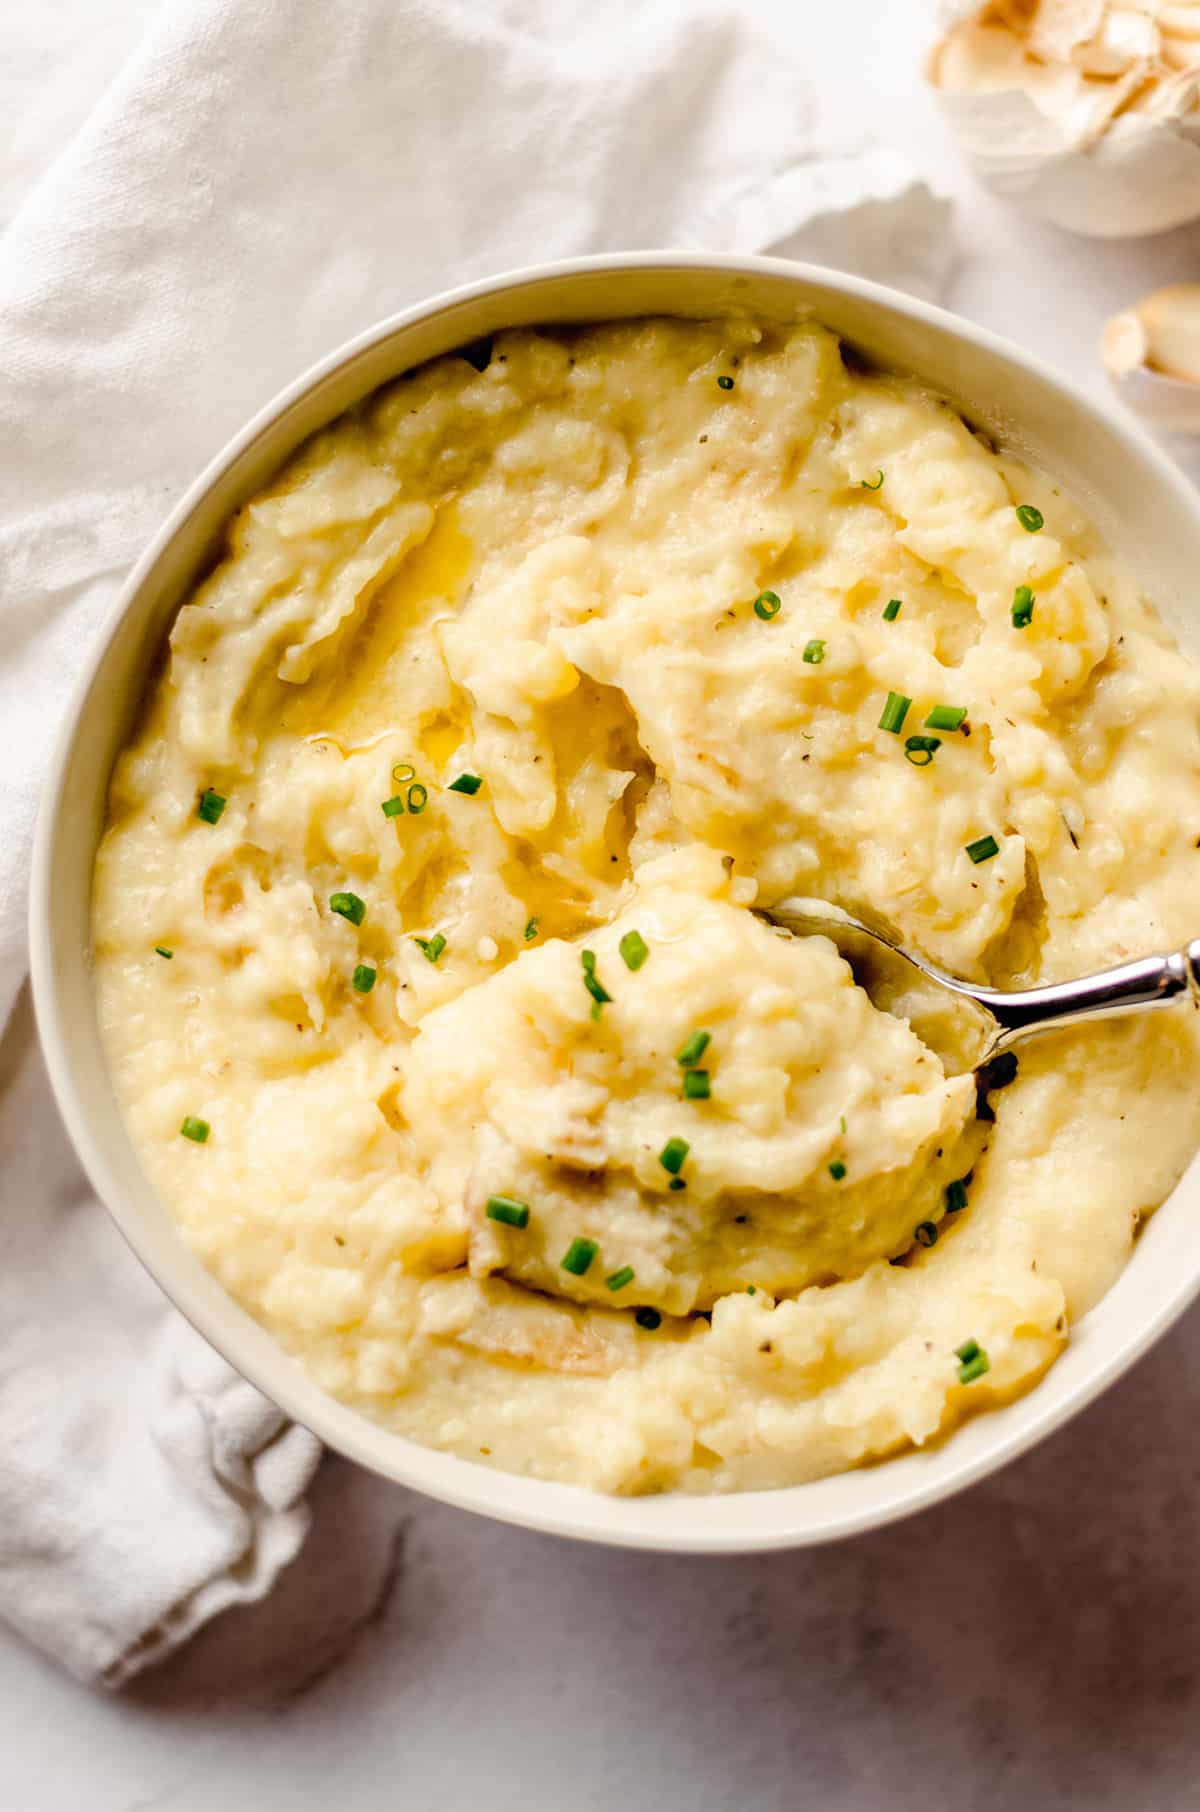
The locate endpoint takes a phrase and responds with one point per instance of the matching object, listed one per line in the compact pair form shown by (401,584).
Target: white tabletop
(1034,1644)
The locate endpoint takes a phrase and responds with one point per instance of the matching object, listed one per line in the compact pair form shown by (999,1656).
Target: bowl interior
(1137,499)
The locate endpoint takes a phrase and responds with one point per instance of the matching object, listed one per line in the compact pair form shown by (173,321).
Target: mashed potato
(426,950)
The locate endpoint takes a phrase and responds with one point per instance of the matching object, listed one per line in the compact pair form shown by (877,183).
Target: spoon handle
(1150,981)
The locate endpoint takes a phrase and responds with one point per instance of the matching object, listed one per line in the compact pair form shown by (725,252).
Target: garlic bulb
(1087,112)
(1152,354)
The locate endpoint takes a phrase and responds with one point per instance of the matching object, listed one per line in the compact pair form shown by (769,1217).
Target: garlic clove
(1152,355)
(1180,21)
(1171,320)
(1057,32)
(1124,343)
(1124,39)
(978,58)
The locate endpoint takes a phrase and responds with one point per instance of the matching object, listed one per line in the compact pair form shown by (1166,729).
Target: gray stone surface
(1033,1644)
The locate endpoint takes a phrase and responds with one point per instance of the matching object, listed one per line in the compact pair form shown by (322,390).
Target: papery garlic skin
(1086,112)
(1152,355)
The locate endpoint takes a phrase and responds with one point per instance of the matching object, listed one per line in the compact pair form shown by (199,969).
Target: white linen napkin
(263,179)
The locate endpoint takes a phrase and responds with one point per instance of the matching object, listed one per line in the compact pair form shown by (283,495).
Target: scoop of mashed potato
(431,902)
(793,1144)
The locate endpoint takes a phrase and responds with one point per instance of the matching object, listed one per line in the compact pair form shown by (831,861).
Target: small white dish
(1139,501)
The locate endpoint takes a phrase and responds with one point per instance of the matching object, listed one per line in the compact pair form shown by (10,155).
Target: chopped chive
(920,750)
(591,981)
(466,783)
(195,1130)
(724,383)
(956,1195)
(431,947)
(531,930)
(677,1183)
(418,799)
(983,848)
(506,1208)
(1030,517)
(403,770)
(620,1278)
(673,1155)
(348,906)
(842,1125)
(649,1319)
(393,807)
(578,1256)
(768,604)
(997,1073)
(894,713)
(814,652)
(925,1233)
(1022,607)
(837,1170)
(363,979)
(946,717)
(868,486)
(1001,1070)
(891,610)
(974,1361)
(692,1049)
(751,1289)
(478,352)
(634,949)
(696,1085)
(211,806)
(161,950)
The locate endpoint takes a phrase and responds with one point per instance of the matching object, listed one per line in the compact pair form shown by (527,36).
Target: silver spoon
(1006,1015)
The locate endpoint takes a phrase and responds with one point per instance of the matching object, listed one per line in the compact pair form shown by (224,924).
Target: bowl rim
(539,1505)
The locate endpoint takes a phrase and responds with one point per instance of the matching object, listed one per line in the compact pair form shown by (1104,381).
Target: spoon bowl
(1000,1017)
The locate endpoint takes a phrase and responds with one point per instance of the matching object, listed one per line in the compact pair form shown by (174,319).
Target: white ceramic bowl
(1139,501)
